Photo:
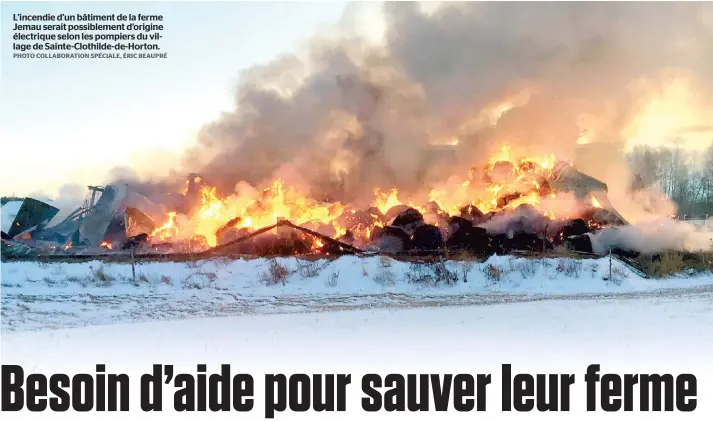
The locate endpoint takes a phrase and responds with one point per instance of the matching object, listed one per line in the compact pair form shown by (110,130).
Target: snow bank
(346,275)
(37,296)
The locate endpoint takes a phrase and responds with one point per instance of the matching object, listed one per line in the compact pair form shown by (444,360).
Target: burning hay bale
(394,240)
(574,228)
(360,227)
(464,236)
(600,218)
(269,244)
(280,246)
(511,215)
(427,239)
(523,219)
(501,173)
(580,243)
(526,242)
(566,178)
(232,230)
(408,220)
(135,242)
(472,213)
(410,233)
(406,212)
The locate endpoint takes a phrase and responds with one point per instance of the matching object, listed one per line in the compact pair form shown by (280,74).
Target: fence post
(133,268)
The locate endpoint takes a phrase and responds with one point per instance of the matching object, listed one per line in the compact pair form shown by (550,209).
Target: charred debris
(115,221)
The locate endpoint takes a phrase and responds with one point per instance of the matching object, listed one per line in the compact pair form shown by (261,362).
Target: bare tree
(684,176)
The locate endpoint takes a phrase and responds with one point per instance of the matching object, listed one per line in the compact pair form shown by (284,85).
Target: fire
(210,215)
(340,231)
(546,162)
(384,201)
(511,182)
(68,246)
(274,203)
(507,181)
(596,203)
(451,200)
(105,245)
(168,229)
(184,189)
(503,155)
(453,141)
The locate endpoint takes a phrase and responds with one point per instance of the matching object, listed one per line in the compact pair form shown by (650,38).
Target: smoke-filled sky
(361,107)
(540,76)
(77,119)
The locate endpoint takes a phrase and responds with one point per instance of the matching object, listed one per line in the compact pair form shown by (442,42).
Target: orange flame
(507,181)
(168,229)
(276,202)
(596,203)
(384,201)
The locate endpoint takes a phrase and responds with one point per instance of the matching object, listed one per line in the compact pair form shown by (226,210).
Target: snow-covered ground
(39,296)
(645,335)
(542,316)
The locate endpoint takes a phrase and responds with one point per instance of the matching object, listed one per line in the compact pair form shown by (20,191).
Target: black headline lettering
(676,392)
(403,395)
(523,391)
(300,393)
(200,392)
(82,392)
(223,392)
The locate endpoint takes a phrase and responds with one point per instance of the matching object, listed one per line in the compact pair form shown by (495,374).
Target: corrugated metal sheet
(19,217)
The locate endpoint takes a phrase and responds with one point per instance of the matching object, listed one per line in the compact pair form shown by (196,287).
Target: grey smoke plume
(655,236)
(69,198)
(353,116)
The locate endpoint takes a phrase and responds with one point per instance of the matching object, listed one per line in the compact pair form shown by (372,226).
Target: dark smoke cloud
(371,111)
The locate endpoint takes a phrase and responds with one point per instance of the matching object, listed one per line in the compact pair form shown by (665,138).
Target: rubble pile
(115,220)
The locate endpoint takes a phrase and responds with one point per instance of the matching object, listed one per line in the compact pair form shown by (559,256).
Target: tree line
(686,176)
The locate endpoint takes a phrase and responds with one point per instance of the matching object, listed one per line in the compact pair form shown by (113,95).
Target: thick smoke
(527,74)
(353,116)
(655,236)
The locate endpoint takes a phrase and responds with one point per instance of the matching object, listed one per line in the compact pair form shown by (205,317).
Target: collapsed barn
(115,220)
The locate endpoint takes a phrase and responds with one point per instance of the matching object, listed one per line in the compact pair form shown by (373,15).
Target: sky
(76,119)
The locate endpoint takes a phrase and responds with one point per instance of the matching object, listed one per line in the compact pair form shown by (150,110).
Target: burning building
(341,144)
(528,204)
(525,204)
(111,216)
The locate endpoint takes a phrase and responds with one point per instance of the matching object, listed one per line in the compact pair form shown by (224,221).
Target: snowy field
(644,335)
(37,296)
(541,316)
